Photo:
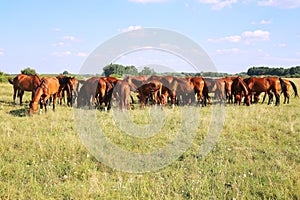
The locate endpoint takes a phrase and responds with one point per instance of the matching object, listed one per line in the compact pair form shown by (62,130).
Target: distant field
(256,155)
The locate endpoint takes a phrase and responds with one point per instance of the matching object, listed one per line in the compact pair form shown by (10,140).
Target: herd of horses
(99,92)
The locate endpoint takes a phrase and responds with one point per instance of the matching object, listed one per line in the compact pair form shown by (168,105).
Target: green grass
(256,155)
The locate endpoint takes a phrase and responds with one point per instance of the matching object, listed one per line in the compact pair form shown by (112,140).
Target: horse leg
(54,101)
(21,92)
(15,94)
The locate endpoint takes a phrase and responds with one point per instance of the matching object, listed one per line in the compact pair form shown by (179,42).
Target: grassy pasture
(256,155)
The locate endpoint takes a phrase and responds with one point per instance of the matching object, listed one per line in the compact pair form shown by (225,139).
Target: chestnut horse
(285,91)
(122,93)
(218,87)
(200,89)
(67,84)
(47,88)
(23,82)
(270,85)
(87,91)
(104,90)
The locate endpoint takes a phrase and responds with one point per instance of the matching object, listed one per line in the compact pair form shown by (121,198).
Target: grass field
(257,155)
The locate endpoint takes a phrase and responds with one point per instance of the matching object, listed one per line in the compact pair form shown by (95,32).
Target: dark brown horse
(48,87)
(68,85)
(23,83)
(240,89)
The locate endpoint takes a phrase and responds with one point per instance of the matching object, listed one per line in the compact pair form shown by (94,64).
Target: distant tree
(28,71)
(65,72)
(147,71)
(119,70)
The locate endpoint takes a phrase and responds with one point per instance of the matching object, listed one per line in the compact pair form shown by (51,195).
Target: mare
(122,94)
(104,90)
(200,89)
(67,84)
(218,87)
(240,89)
(23,82)
(87,92)
(148,90)
(270,85)
(47,88)
(285,90)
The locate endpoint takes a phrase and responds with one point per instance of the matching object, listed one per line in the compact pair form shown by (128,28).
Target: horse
(218,87)
(239,89)
(66,84)
(48,87)
(148,90)
(285,90)
(200,89)
(87,92)
(104,92)
(270,85)
(122,91)
(23,82)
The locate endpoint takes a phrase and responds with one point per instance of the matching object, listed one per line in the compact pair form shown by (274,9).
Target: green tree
(65,72)
(28,71)
(147,71)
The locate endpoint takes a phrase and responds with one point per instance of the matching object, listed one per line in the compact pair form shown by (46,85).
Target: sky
(54,36)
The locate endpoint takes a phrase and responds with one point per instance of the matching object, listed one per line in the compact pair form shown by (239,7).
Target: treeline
(292,72)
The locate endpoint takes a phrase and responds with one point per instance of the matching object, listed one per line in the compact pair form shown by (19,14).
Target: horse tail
(294,88)
(10,81)
(283,86)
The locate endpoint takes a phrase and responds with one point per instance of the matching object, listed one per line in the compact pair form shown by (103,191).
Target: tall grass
(256,155)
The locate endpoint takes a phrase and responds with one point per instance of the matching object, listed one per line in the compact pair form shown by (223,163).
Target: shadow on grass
(22,112)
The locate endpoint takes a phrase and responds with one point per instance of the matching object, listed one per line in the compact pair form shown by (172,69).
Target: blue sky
(53,36)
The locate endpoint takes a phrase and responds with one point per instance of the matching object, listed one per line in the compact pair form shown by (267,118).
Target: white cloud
(247,37)
(70,38)
(62,53)
(284,4)
(262,22)
(82,54)
(282,45)
(219,4)
(131,28)
(1,52)
(148,1)
(56,29)
(59,44)
(69,53)
(228,51)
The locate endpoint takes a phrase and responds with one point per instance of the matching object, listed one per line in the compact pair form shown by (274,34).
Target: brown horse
(47,88)
(23,83)
(240,89)
(286,85)
(87,92)
(68,85)
(270,85)
(200,89)
(218,87)
(122,93)
(104,90)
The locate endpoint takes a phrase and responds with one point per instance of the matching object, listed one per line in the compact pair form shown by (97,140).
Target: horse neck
(38,94)
(244,87)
